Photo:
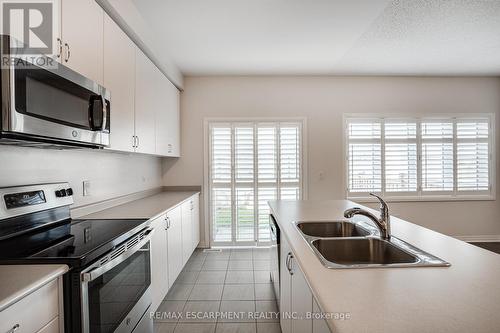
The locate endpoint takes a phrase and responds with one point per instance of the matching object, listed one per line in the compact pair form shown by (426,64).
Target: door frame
(206,189)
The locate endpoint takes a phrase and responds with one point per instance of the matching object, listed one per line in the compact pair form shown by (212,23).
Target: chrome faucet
(383,223)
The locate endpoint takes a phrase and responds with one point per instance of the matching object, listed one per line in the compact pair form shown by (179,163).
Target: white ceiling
(351,37)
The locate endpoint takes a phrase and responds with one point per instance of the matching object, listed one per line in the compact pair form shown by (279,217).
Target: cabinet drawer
(33,312)
(52,327)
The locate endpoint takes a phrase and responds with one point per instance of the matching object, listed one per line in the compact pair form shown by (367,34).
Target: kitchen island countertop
(462,298)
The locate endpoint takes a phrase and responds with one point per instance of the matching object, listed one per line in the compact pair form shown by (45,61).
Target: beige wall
(110,174)
(323,101)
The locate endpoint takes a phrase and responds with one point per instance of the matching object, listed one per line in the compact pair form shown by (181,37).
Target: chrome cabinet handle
(59,55)
(289,263)
(133,141)
(167,219)
(138,142)
(14,329)
(68,52)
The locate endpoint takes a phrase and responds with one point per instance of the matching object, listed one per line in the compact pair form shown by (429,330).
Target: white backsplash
(110,174)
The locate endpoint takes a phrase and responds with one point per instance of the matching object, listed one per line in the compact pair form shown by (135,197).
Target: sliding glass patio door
(250,163)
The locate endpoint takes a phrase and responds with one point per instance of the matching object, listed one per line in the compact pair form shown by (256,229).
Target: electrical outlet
(86,188)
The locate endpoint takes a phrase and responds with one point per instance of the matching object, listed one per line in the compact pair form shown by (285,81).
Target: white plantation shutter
(365,156)
(473,155)
(221,154)
(244,153)
(266,154)
(245,214)
(400,156)
(448,156)
(437,156)
(251,163)
(290,153)
(222,214)
(265,194)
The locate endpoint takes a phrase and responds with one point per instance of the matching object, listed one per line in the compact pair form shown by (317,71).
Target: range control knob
(69,191)
(60,193)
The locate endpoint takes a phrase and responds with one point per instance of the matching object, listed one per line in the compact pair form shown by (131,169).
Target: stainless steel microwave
(45,103)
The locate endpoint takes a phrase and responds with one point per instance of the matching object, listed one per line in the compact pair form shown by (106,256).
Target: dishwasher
(275,256)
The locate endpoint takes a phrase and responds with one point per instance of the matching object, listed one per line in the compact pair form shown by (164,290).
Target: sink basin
(332,229)
(362,251)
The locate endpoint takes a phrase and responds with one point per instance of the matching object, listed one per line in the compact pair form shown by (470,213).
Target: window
(251,163)
(448,157)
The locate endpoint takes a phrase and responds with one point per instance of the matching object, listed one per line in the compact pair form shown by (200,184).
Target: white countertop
(462,298)
(146,208)
(18,281)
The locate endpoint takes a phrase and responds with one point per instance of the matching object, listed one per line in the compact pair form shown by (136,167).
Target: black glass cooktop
(73,242)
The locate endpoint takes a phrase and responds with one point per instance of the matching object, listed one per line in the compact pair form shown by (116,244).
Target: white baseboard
(479,238)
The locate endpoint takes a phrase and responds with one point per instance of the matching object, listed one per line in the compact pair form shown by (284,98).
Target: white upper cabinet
(146,103)
(82,37)
(167,119)
(119,79)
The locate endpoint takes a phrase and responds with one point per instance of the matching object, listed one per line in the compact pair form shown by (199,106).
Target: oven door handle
(96,272)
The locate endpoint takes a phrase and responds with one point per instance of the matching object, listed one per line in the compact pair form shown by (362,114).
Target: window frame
(420,195)
(207,183)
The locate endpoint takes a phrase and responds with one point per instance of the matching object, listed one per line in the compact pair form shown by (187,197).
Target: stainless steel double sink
(345,244)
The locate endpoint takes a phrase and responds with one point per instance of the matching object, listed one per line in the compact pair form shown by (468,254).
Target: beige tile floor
(233,281)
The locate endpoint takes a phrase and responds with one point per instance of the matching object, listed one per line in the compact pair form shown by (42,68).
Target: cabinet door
(52,327)
(319,325)
(159,255)
(175,262)
(42,306)
(82,36)
(302,301)
(145,103)
(195,216)
(187,231)
(167,118)
(119,78)
(285,287)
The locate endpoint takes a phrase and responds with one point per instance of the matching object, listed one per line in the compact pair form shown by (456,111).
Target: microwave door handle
(91,114)
(104,113)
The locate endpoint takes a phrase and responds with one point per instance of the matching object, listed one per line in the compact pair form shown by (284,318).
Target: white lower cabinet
(171,246)
(43,306)
(296,299)
(159,263)
(52,327)
(195,218)
(187,230)
(319,325)
(174,232)
(285,288)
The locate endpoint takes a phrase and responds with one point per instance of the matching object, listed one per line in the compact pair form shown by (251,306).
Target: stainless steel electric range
(107,288)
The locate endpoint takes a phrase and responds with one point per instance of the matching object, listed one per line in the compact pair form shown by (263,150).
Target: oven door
(54,102)
(116,295)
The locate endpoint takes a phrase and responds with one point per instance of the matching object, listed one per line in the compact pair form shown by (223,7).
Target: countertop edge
(108,213)
(34,286)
